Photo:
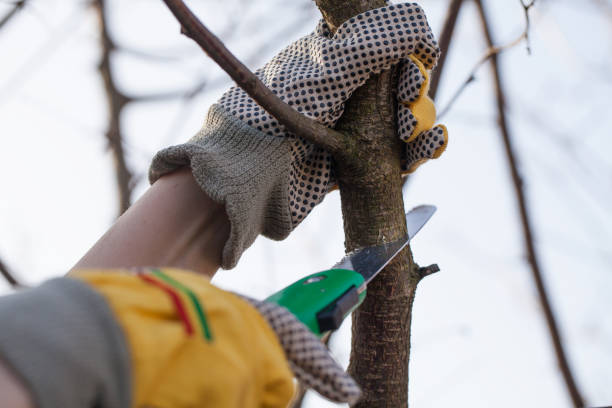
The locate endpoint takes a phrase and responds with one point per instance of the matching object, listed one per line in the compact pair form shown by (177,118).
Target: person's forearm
(13,392)
(174,224)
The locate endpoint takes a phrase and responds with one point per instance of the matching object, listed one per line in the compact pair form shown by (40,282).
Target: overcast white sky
(479,339)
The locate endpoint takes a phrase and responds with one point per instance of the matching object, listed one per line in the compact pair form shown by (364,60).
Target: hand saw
(322,300)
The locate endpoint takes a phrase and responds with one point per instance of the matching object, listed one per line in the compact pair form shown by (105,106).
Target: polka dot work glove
(308,358)
(269,179)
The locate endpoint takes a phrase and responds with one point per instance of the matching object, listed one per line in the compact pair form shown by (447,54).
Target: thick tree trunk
(373,212)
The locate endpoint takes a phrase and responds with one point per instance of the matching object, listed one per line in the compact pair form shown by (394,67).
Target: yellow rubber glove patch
(416,115)
(192,344)
(421,106)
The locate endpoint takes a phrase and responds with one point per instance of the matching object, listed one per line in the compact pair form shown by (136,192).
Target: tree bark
(373,212)
(368,171)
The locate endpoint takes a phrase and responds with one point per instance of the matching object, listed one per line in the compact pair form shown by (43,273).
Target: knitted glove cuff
(242,168)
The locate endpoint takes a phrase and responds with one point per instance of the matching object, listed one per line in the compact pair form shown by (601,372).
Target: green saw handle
(322,300)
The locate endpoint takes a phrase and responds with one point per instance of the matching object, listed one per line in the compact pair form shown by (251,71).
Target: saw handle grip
(322,300)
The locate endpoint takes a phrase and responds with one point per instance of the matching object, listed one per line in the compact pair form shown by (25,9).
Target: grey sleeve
(63,342)
(242,168)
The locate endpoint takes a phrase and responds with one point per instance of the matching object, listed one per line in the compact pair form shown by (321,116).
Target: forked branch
(493,50)
(116,102)
(298,124)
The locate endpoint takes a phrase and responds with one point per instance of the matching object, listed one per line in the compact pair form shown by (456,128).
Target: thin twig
(116,102)
(148,55)
(186,94)
(525,220)
(8,275)
(16,7)
(295,122)
(37,59)
(445,39)
(526,8)
(492,51)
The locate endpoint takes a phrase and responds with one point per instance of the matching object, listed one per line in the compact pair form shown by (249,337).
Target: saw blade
(368,262)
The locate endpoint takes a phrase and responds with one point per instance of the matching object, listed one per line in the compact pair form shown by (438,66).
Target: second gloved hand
(269,179)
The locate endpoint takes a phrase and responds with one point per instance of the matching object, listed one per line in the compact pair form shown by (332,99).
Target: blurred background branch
(116,102)
(521,197)
(444,40)
(17,6)
(491,52)
(8,275)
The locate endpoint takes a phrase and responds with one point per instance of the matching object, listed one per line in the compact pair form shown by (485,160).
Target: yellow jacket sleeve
(192,344)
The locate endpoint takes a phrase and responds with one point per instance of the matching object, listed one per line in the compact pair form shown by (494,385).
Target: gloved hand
(416,115)
(197,345)
(308,358)
(268,179)
(159,338)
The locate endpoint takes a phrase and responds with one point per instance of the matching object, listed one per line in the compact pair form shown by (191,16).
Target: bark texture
(373,212)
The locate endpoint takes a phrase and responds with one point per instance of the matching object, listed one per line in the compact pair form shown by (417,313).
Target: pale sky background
(479,338)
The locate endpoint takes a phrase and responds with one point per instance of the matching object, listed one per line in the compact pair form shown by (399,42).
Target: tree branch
(165,96)
(116,102)
(16,8)
(525,220)
(491,52)
(295,122)
(444,41)
(373,211)
(8,275)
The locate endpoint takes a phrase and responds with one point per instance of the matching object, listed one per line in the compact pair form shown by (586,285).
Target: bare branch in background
(445,39)
(8,275)
(16,8)
(491,52)
(446,36)
(526,7)
(147,55)
(294,121)
(525,218)
(116,102)
(604,6)
(187,94)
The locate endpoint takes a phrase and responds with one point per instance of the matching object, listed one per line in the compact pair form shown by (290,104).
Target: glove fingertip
(428,145)
(415,165)
(438,152)
(406,123)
